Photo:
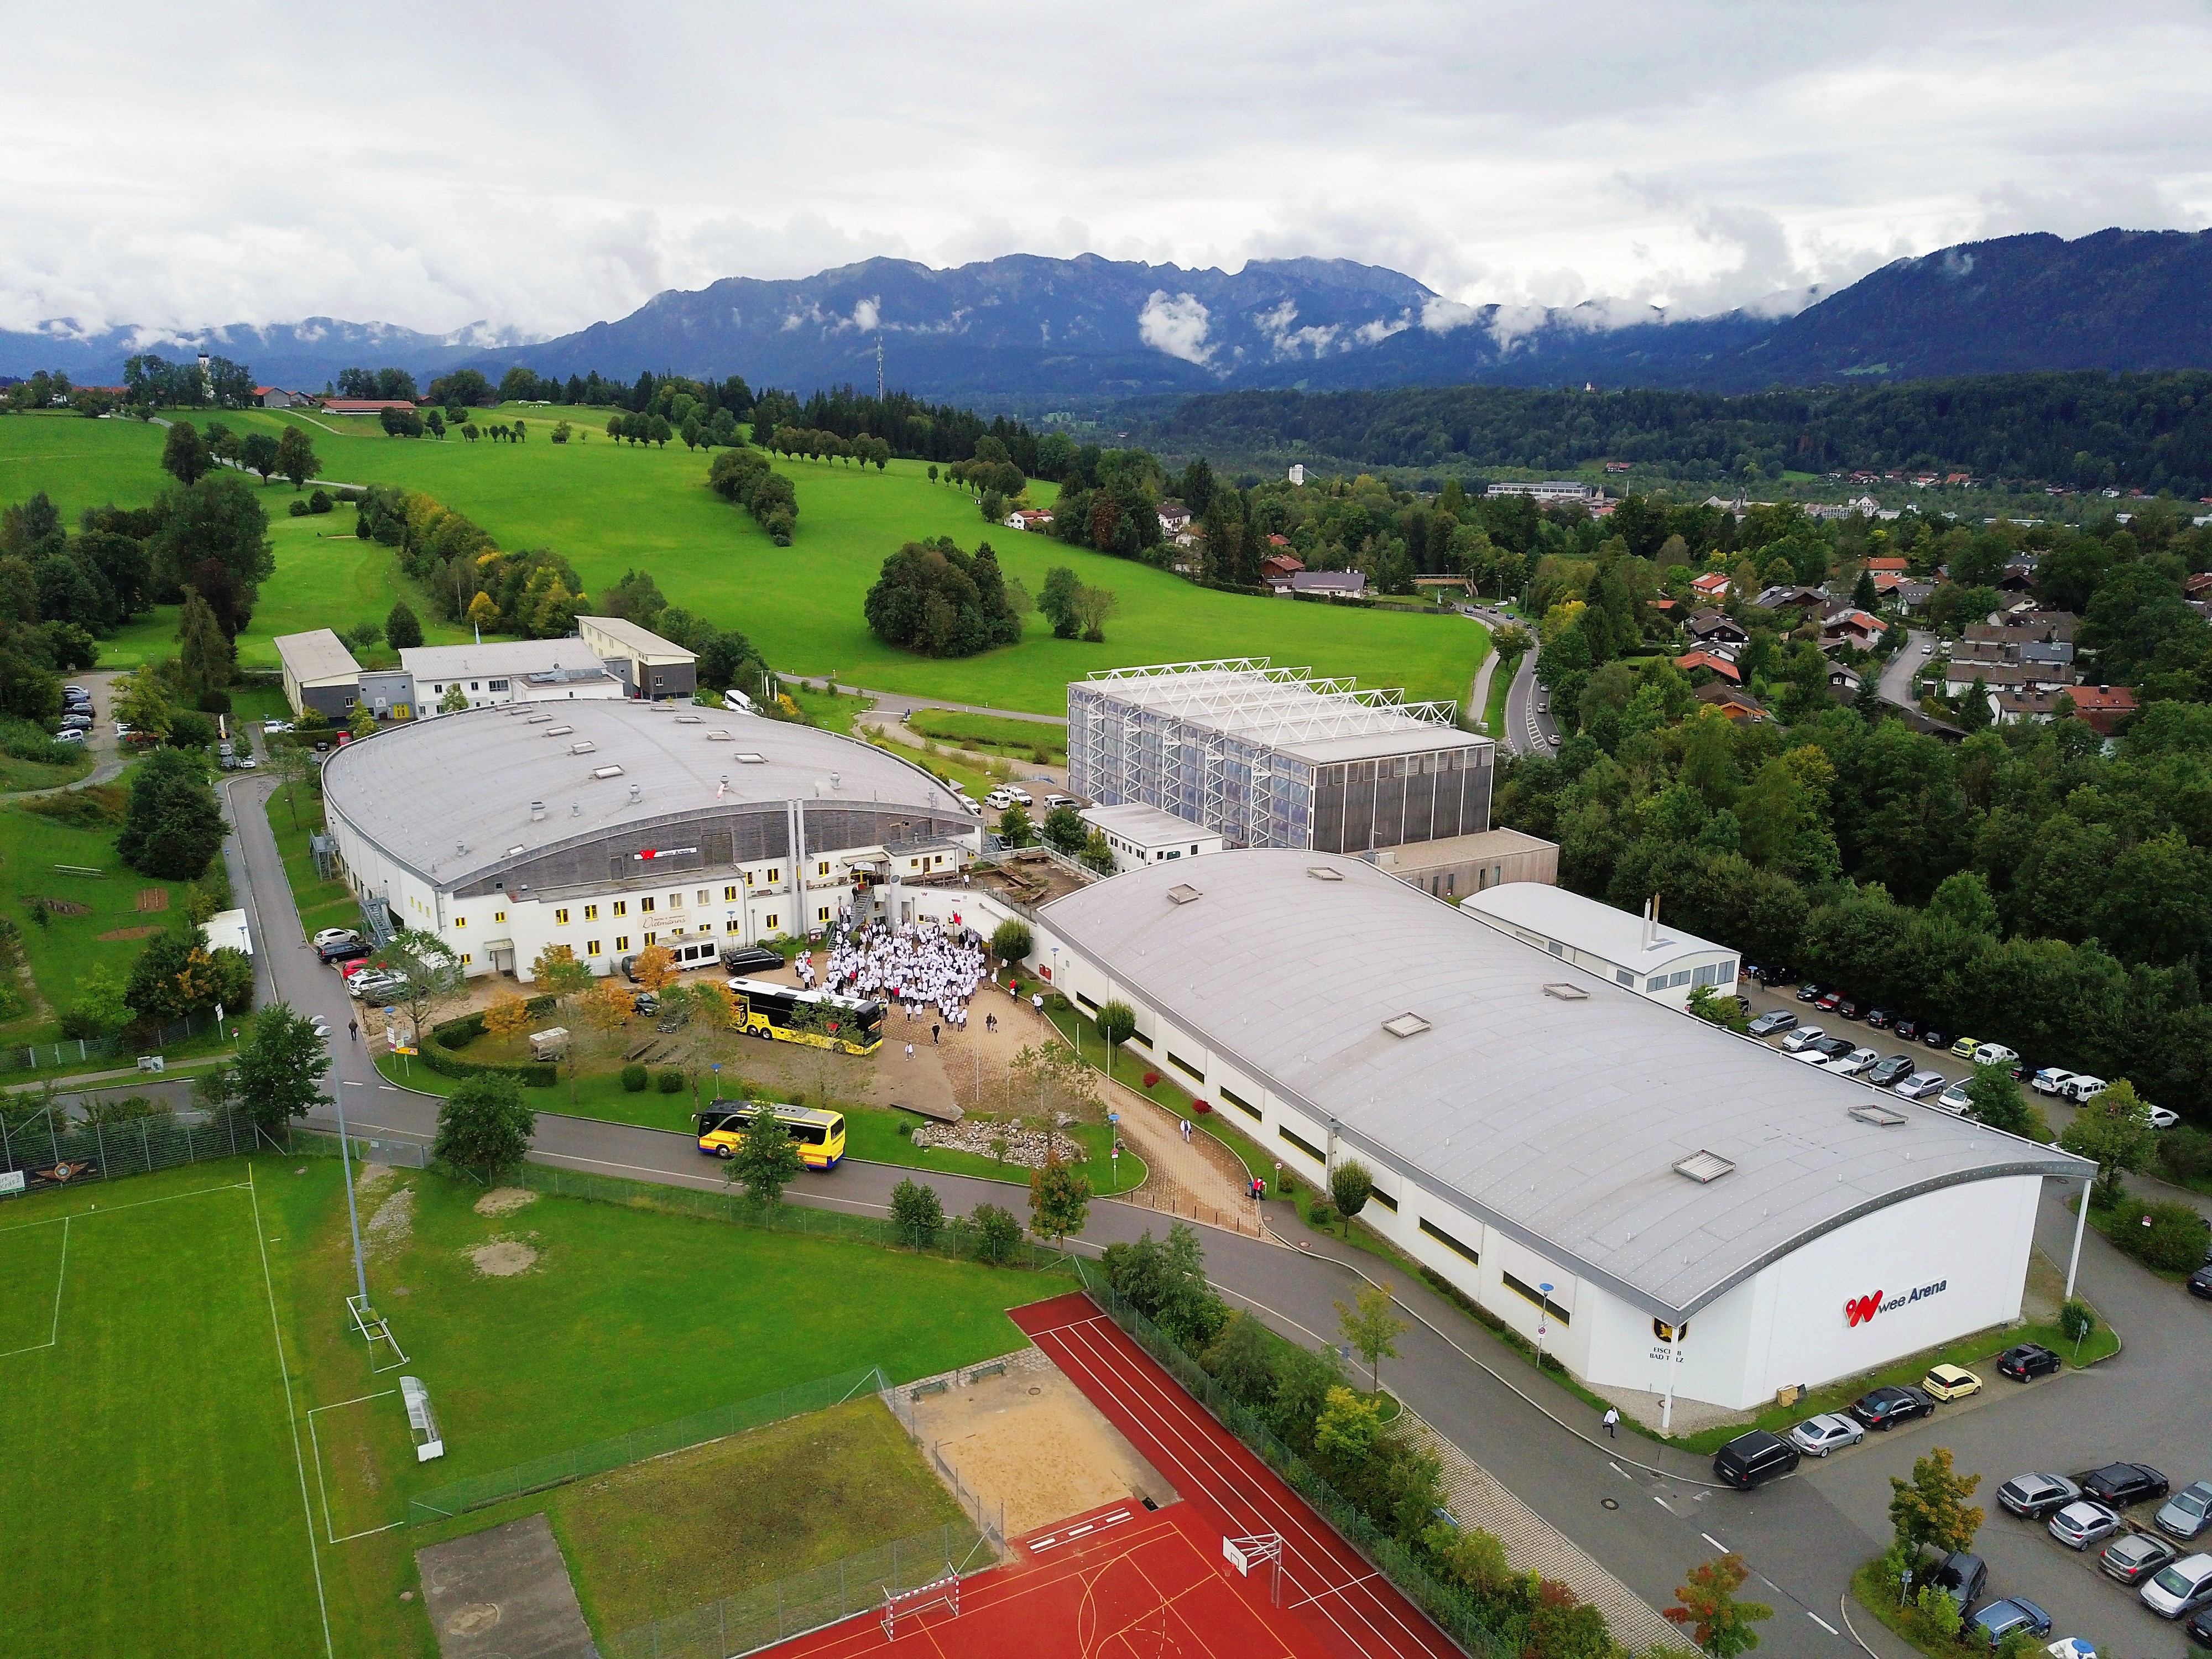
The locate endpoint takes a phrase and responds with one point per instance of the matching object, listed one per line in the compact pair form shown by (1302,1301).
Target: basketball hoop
(1261,1547)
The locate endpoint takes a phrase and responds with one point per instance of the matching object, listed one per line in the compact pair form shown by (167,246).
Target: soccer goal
(375,1329)
(899,1604)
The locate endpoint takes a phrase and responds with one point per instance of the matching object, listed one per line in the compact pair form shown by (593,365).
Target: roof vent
(746,757)
(1566,992)
(537,811)
(1406,1024)
(1322,873)
(556,731)
(537,719)
(606,771)
(636,794)
(583,746)
(1881,1116)
(515,851)
(1704,1167)
(836,780)
(1183,893)
(575,809)
(687,720)
(718,737)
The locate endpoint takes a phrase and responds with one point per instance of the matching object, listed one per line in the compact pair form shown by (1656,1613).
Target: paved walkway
(1478,699)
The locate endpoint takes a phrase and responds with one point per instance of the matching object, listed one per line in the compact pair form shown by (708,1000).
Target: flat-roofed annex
(1558,1119)
(448,797)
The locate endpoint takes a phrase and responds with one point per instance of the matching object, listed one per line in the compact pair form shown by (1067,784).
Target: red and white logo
(1857,1309)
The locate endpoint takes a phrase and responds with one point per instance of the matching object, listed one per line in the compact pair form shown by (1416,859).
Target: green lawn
(159,1414)
(17,774)
(610,507)
(992,733)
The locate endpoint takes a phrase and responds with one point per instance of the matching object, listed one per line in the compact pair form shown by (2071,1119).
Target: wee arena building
(1670,1206)
(609,826)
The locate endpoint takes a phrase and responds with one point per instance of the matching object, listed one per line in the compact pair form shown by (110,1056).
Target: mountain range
(1029,331)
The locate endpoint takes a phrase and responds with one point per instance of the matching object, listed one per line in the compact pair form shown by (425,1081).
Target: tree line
(535,593)
(744,477)
(2084,430)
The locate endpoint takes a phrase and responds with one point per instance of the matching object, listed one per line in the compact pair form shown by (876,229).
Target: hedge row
(460,1033)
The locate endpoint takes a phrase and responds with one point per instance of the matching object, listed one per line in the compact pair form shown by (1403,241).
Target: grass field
(610,507)
(992,733)
(156,1502)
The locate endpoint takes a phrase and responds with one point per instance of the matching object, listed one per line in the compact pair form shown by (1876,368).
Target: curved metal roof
(451,797)
(1551,1102)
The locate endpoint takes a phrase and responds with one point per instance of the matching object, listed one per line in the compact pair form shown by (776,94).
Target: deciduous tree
(281,1069)
(1059,1200)
(766,1159)
(1930,1510)
(484,1125)
(1719,1624)
(1370,1324)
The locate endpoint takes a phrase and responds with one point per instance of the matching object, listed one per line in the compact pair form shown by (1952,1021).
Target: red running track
(1351,1606)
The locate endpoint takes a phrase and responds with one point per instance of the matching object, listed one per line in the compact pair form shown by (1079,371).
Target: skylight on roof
(606,771)
(1566,992)
(748,758)
(718,736)
(583,746)
(687,720)
(1183,893)
(1703,1167)
(1322,873)
(1882,1117)
(1406,1025)
(556,731)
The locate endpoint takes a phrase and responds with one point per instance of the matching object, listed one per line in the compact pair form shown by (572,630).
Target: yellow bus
(820,1135)
(785,1014)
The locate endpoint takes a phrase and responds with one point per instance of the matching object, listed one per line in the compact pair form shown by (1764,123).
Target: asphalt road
(1529,728)
(1896,684)
(1802,1536)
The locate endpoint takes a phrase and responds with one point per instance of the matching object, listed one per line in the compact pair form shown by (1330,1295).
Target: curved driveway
(1803,1537)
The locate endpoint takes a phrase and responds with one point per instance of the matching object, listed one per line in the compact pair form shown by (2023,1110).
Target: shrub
(2166,1235)
(1322,1216)
(998,1234)
(669,1081)
(1200,1107)
(1151,1080)
(633,1079)
(298,509)
(2187,1153)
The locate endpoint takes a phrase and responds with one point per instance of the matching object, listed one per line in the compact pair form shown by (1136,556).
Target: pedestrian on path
(909,1051)
(933,1033)
(1613,1422)
(353,1030)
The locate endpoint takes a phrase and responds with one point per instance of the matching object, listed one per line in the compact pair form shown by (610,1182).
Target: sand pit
(503,1258)
(1028,1439)
(504,1201)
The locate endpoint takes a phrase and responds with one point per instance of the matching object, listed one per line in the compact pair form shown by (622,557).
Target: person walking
(909,1051)
(1613,1422)
(353,1030)
(933,1033)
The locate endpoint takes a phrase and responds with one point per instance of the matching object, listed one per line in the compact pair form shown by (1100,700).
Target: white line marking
(1822,1623)
(1663,1503)
(1619,1471)
(291,1415)
(1714,1542)
(53,1334)
(134,1204)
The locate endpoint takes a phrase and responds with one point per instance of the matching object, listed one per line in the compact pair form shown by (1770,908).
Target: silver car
(1856,1062)
(2185,1514)
(1921,1085)
(2082,1523)
(1816,1436)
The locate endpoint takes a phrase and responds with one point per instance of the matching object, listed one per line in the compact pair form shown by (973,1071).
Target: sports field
(180,1484)
(610,507)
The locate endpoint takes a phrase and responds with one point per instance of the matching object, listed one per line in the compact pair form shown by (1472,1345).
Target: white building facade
(1638,952)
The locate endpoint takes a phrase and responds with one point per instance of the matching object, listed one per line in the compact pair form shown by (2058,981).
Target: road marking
(1822,1623)
(1665,1505)
(1714,1542)
(1619,1471)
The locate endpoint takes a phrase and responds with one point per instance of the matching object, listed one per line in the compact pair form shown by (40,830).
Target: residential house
(1715,628)
(1175,517)
(1712,662)
(277,397)
(365,405)
(1959,678)
(2103,706)
(2019,707)
(1732,701)
(1712,586)
(2198,587)
(1843,683)
(1855,628)
(1028,518)
(1910,594)
(1895,567)
(1791,598)
(1280,567)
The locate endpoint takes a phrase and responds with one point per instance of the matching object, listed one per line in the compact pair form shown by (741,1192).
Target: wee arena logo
(1859,1310)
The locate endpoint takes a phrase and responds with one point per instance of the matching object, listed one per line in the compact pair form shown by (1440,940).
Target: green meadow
(611,507)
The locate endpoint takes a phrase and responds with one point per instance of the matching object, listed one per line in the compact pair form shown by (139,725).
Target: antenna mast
(879,366)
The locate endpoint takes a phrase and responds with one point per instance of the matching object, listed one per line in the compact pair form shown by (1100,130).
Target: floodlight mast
(353,1213)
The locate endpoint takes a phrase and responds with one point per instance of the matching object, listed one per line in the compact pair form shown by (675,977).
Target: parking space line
(1822,1623)
(1714,1542)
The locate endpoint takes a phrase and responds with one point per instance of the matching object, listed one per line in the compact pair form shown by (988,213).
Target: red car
(1827,1004)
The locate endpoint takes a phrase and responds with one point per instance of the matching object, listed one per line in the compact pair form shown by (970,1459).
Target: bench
(939,1387)
(996,1368)
(421,1423)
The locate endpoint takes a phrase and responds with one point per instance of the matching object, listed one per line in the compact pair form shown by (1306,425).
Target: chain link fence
(48,1150)
(769,1614)
(959,1239)
(542,1473)
(1451,1610)
(74,1051)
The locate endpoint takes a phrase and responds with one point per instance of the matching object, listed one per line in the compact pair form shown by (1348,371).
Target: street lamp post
(1543,1315)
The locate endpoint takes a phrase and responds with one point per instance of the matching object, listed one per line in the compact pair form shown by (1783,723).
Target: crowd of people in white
(922,967)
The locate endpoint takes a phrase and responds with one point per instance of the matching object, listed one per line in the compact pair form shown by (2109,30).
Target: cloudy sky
(540,168)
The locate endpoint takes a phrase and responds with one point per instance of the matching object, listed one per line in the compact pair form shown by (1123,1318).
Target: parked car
(2199,1628)
(1781,1019)
(77,722)
(1753,1459)
(2083,1087)
(1963,1576)
(1906,1030)
(1848,1009)
(2184,1514)
(745,959)
(272,728)
(68,735)
(1880,1019)
(1886,1408)
(2162,1117)
(1921,1085)
(1021,796)
(2200,1282)
(2122,1483)
(1965,1047)
(1933,1038)
(2135,1556)
(1855,1062)
(2027,1361)
(1826,1001)
(2181,1589)
(349,950)
(2084,1523)
(1995,1054)
(2050,1080)
(2033,1496)
(375,984)
(645,1003)
(1826,1048)
(1809,992)
(1891,1072)
(1802,1038)
(1954,1100)
(1830,1432)
(1948,1383)
(335,936)
(1991,1624)
(1053,801)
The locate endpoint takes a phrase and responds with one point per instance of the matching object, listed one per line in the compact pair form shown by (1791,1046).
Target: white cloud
(430,165)
(1177,326)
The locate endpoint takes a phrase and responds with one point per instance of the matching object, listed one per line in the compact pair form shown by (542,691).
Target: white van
(738,702)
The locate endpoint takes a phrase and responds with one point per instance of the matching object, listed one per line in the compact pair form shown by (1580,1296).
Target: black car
(742,959)
(1878,1019)
(2199,1283)
(2027,1362)
(1848,1010)
(2119,1485)
(1907,1031)
(645,1003)
(1886,1408)
(1963,1577)
(1751,1460)
(2200,1627)
(1895,1069)
(1935,1039)
(1809,991)
(351,951)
